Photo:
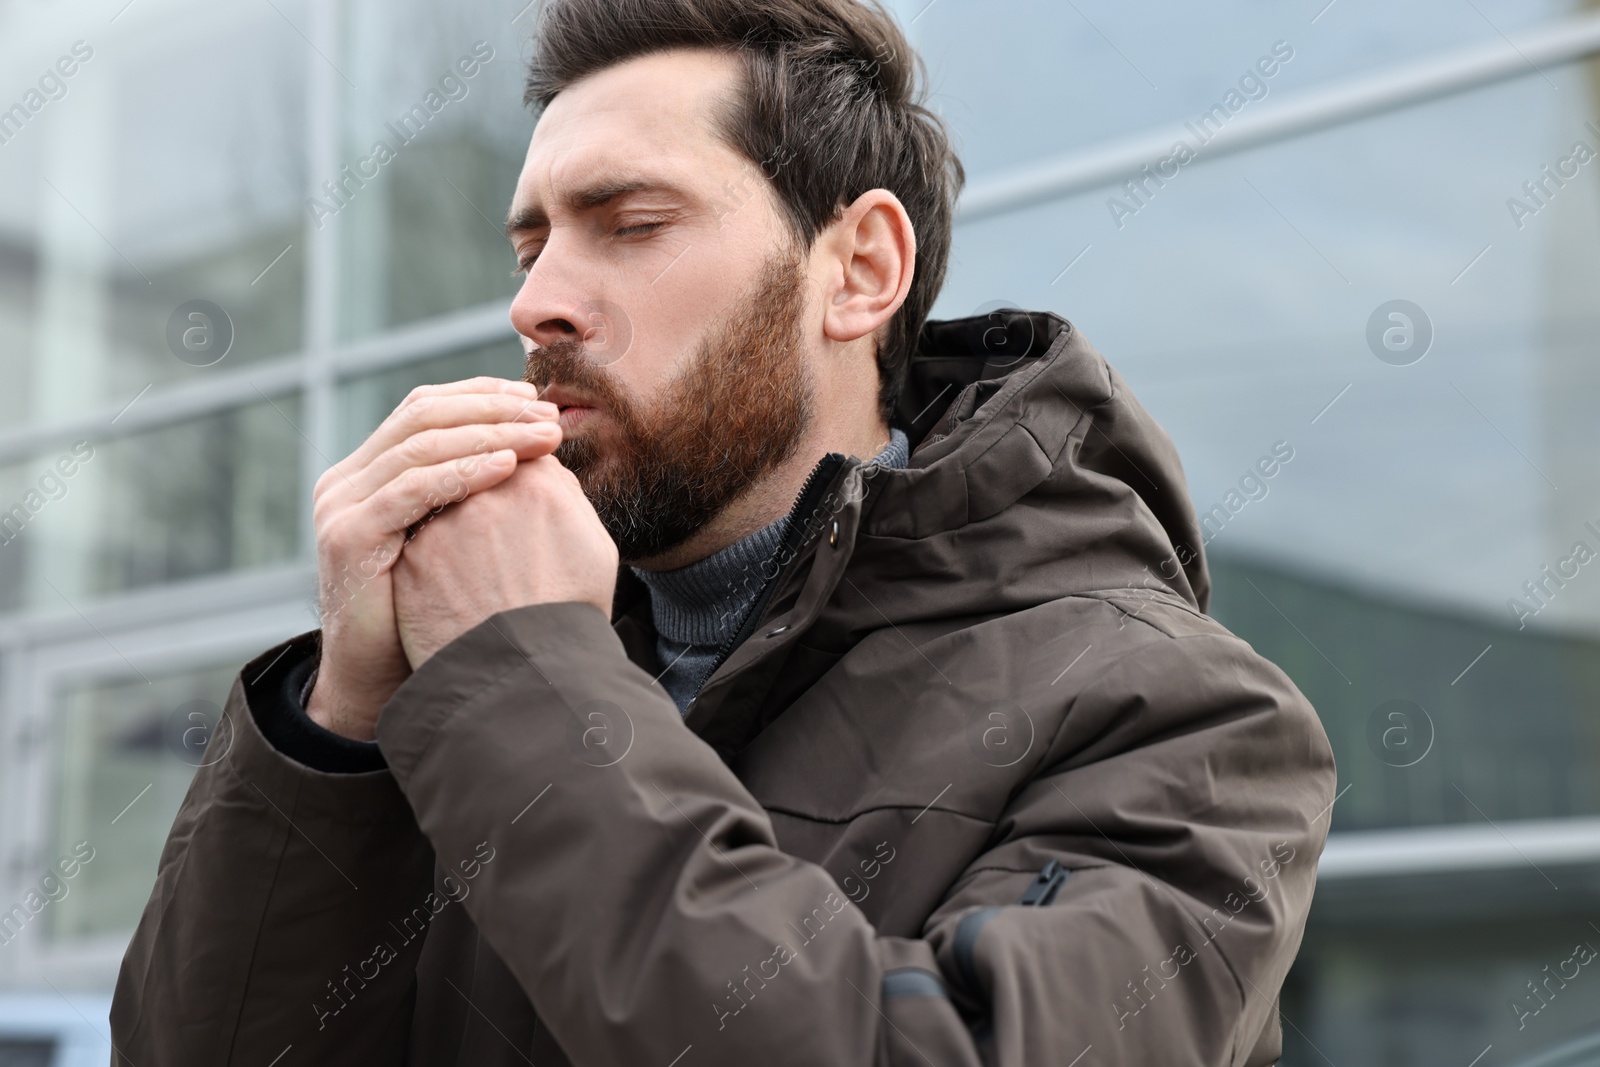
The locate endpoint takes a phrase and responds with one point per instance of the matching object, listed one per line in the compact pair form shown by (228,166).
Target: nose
(544,314)
(546,310)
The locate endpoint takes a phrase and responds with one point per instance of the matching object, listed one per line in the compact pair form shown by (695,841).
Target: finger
(481,384)
(421,491)
(442,411)
(529,440)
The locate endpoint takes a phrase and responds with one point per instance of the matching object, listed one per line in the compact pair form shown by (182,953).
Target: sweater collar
(704,603)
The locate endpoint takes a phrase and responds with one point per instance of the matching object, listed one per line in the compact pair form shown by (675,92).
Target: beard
(657,473)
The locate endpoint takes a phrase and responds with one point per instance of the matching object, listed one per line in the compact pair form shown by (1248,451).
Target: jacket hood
(1044,477)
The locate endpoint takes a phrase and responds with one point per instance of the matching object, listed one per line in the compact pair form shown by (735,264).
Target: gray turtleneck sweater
(699,607)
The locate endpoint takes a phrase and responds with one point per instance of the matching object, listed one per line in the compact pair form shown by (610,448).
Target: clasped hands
(498,523)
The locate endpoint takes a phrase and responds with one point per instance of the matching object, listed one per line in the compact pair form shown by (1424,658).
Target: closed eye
(641,229)
(638,229)
(524,265)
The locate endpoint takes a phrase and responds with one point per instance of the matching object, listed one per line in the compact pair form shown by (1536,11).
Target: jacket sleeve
(638,885)
(275,888)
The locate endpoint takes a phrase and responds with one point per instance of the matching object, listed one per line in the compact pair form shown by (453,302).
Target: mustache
(566,363)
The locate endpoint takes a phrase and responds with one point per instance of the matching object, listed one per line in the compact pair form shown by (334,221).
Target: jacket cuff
(241,762)
(276,696)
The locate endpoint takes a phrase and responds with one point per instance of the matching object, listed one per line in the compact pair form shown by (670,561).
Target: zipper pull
(1045,886)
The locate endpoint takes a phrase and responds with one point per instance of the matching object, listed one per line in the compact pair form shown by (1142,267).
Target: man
(932,757)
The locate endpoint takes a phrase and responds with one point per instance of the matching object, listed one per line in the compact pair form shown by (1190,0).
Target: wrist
(330,708)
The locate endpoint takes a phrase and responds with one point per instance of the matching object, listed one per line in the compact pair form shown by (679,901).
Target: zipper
(1046,885)
(793,538)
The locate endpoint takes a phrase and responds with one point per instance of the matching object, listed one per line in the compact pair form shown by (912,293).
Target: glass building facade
(233,237)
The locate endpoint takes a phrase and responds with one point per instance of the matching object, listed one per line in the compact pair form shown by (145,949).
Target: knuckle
(411,484)
(334,531)
(322,514)
(415,450)
(415,412)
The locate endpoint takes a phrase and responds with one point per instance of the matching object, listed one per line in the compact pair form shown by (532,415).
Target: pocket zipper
(1046,885)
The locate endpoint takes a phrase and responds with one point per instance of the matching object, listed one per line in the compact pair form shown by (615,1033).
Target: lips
(565,399)
(573,408)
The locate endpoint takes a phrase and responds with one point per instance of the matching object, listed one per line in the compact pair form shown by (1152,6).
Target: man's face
(665,302)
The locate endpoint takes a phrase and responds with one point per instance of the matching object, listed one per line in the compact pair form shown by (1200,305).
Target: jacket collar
(1035,474)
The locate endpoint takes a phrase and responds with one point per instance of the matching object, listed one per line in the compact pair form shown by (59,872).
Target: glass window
(22,1052)
(432,142)
(200,497)
(1434,717)
(131,195)
(1031,79)
(19,294)
(126,747)
(1237,300)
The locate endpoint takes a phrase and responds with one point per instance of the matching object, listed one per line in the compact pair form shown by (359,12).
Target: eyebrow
(587,199)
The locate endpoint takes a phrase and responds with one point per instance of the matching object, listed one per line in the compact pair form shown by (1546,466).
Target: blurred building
(154,528)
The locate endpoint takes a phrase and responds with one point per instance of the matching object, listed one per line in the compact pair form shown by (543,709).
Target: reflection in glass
(135,194)
(1034,79)
(202,497)
(120,777)
(1506,728)
(433,140)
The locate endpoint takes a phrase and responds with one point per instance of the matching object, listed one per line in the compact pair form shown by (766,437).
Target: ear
(869,257)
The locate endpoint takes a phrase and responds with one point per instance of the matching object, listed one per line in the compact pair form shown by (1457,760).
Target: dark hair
(832,106)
